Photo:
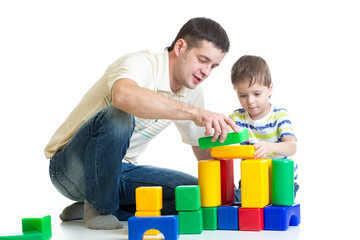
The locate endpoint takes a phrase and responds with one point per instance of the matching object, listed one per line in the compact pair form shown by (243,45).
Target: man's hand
(218,122)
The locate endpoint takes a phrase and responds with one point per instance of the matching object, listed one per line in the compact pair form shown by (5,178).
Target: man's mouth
(197,78)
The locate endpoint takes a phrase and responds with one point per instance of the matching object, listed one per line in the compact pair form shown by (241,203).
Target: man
(138,96)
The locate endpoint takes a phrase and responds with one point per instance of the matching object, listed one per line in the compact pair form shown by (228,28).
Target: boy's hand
(263,149)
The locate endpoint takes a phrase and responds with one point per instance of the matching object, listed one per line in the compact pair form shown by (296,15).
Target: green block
(282,179)
(210,218)
(232,138)
(23,236)
(39,224)
(187,198)
(191,222)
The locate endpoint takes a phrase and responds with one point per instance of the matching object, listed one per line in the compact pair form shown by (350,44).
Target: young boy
(270,128)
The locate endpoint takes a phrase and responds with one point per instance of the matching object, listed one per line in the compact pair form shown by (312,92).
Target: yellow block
(233,151)
(148,199)
(149,214)
(254,183)
(209,182)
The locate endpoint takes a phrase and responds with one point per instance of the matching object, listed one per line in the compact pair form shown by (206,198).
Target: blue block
(228,218)
(167,225)
(280,217)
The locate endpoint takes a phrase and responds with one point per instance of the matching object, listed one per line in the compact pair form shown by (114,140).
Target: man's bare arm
(128,96)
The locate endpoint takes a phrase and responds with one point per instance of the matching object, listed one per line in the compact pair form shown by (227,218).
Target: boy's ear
(270,89)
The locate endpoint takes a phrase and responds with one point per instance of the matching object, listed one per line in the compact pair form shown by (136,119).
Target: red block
(227,181)
(251,219)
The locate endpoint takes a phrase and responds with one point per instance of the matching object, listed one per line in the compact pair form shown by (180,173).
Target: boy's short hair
(198,29)
(252,69)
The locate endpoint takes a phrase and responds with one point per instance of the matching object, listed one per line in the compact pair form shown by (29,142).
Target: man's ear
(180,47)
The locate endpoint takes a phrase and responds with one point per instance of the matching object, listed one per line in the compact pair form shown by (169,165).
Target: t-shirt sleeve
(190,133)
(285,126)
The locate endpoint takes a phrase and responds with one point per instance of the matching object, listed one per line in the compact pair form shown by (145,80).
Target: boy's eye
(242,95)
(258,94)
(201,60)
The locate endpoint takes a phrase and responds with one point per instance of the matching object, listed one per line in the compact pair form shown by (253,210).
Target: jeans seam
(146,182)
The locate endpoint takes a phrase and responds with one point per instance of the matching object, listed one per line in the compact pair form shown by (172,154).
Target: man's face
(194,65)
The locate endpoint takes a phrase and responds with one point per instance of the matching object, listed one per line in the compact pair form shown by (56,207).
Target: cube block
(210,218)
(148,199)
(191,222)
(228,218)
(187,198)
(251,219)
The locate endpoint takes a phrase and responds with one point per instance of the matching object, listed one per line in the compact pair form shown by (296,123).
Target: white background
(51,52)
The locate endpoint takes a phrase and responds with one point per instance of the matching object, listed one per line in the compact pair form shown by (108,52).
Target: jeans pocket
(65,186)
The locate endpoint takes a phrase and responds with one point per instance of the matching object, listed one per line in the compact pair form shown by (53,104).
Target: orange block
(233,151)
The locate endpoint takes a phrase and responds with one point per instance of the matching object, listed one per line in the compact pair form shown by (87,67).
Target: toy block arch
(167,225)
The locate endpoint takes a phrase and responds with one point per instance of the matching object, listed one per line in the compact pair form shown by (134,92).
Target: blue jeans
(90,167)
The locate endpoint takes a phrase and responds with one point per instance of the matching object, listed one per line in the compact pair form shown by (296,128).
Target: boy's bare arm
(287,147)
(128,96)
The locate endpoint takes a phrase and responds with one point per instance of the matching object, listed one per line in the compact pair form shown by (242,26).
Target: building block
(187,198)
(233,151)
(191,222)
(228,218)
(149,214)
(281,217)
(231,138)
(38,224)
(31,235)
(227,181)
(251,219)
(168,225)
(210,218)
(254,183)
(282,191)
(148,199)
(210,183)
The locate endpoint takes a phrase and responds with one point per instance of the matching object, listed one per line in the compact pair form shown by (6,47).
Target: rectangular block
(187,198)
(227,181)
(231,138)
(210,183)
(228,218)
(233,151)
(148,199)
(254,183)
(251,219)
(23,236)
(280,217)
(210,218)
(191,222)
(38,224)
(282,192)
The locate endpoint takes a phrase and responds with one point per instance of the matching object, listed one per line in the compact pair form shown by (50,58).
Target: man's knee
(119,122)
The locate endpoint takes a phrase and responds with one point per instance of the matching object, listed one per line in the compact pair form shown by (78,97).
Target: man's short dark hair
(198,29)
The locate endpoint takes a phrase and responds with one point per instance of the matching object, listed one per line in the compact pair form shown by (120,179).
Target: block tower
(267,187)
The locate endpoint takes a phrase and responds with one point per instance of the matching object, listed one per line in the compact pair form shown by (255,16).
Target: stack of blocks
(263,182)
(33,228)
(267,194)
(148,219)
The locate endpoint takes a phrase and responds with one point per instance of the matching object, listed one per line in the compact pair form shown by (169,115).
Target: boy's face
(254,99)
(195,65)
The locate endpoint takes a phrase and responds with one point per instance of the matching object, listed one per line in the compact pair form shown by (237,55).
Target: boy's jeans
(90,167)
